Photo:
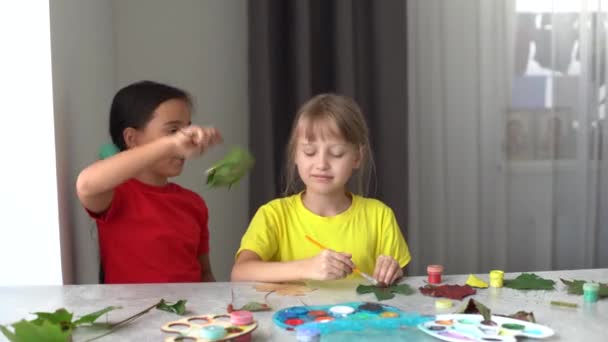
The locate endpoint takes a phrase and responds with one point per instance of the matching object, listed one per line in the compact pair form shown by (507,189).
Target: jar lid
(434,268)
(591,287)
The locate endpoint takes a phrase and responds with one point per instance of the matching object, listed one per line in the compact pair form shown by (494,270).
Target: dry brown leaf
(284,289)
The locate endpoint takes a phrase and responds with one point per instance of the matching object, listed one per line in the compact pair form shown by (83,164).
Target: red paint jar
(434,272)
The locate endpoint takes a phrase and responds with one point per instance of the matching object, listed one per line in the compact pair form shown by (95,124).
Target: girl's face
(324,160)
(168,118)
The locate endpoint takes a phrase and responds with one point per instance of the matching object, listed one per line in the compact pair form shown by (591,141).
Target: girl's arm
(326,265)
(206,273)
(96,183)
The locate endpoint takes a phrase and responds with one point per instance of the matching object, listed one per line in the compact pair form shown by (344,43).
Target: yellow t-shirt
(367,229)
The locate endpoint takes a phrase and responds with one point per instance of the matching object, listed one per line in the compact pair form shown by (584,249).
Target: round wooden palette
(193,328)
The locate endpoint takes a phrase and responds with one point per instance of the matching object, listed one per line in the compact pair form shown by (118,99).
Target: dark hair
(134,105)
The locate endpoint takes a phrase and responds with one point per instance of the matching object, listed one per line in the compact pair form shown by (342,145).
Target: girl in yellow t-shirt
(328,149)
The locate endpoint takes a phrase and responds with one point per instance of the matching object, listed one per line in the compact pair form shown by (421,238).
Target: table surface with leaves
(584,322)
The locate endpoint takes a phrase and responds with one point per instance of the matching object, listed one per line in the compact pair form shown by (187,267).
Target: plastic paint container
(434,272)
(308,335)
(341,311)
(496,278)
(241,317)
(213,332)
(591,292)
(443,304)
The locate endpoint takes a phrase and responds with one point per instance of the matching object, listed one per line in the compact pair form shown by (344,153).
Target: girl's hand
(387,270)
(329,265)
(194,140)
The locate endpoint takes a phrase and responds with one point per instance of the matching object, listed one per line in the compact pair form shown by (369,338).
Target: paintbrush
(356,269)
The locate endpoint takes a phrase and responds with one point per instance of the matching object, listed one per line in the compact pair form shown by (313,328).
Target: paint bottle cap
(443,304)
(434,268)
(241,317)
(591,287)
(213,332)
(497,274)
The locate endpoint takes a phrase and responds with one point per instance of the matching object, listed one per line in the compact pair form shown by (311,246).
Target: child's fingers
(391,272)
(382,265)
(397,275)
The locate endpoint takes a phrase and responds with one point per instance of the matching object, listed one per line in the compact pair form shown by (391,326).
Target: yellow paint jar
(496,278)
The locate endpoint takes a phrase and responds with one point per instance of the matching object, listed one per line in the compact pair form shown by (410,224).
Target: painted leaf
(255,307)
(457,292)
(384,293)
(230,169)
(475,307)
(179,307)
(284,289)
(92,317)
(576,287)
(529,281)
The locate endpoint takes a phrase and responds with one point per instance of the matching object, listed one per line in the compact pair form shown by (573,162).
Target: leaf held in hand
(230,169)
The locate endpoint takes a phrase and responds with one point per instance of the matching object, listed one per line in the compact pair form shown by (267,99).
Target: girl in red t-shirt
(150,230)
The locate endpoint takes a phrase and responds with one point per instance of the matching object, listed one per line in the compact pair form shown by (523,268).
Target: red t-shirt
(152,234)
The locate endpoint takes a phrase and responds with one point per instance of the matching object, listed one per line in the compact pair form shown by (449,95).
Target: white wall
(100,46)
(83,79)
(30,236)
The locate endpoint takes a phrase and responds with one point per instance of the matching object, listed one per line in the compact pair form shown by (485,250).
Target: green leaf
(576,287)
(92,317)
(61,317)
(179,307)
(403,289)
(384,293)
(9,334)
(230,169)
(45,331)
(529,281)
(255,307)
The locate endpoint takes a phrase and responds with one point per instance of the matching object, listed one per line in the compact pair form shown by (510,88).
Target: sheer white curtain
(507,158)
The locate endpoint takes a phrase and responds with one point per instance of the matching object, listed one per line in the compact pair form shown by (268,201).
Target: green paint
(513,326)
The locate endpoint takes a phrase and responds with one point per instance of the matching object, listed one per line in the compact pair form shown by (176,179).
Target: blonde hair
(348,118)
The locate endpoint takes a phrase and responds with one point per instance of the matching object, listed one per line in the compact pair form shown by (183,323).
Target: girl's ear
(130,136)
(359,157)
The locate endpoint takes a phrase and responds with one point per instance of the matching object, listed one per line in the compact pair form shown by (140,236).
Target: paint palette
(470,327)
(354,316)
(207,328)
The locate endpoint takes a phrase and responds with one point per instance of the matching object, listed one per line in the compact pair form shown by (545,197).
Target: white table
(585,323)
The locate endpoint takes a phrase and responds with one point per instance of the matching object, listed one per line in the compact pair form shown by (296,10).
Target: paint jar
(341,311)
(591,292)
(496,278)
(434,272)
(241,317)
(213,332)
(306,334)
